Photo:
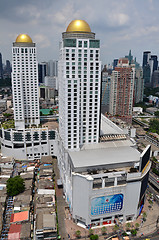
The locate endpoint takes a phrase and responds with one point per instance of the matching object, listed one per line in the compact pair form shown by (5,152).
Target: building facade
(122,87)
(79,86)
(25,82)
(104,177)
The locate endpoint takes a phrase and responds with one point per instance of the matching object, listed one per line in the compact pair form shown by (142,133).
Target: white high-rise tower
(25,82)
(79,86)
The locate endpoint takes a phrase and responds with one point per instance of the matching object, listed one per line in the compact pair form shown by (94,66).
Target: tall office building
(25,82)
(42,71)
(79,86)
(1,67)
(150,64)
(121,93)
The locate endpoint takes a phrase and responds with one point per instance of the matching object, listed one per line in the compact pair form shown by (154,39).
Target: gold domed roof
(23,38)
(78,26)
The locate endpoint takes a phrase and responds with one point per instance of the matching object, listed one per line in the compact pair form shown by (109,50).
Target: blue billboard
(106,204)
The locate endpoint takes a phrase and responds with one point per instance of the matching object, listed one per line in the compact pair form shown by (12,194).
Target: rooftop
(123,155)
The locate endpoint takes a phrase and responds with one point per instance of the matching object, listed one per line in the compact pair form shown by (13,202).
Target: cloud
(41,40)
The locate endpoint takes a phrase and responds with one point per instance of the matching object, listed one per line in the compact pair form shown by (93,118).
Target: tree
(15,186)
(78,233)
(104,230)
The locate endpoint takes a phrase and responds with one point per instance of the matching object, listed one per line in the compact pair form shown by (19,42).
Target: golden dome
(78,26)
(23,38)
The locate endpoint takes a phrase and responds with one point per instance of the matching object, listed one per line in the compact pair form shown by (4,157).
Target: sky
(121,25)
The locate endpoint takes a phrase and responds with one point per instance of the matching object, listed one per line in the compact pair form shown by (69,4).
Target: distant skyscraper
(138,85)
(42,71)
(130,57)
(106,81)
(115,62)
(53,68)
(146,57)
(121,93)
(155,79)
(25,81)
(150,64)
(79,86)
(1,67)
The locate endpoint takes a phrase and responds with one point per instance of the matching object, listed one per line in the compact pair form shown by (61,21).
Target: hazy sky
(121,25)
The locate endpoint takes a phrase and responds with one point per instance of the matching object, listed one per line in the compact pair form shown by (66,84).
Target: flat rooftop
(124,155)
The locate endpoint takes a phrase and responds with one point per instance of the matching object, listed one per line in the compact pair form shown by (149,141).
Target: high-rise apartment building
(138,85)
(25,82)
(121,93)
(79,86)
(1,67)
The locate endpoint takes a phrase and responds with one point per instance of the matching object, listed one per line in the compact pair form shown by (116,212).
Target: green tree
(104,230)
(15,186)
(78,233)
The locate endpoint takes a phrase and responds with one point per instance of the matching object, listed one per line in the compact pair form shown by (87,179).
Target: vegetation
(15,186)
(91,231)
(133,232)
(144,216)
(94,237)
(104,230)
(128,226)
(116,228)
(78,234)
(137,225)
(154,170)
(154,126)
(151,91)
(8,124)
(141,104)
(5,82)
(157,113)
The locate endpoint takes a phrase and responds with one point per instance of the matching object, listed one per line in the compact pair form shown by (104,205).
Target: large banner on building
(106,204)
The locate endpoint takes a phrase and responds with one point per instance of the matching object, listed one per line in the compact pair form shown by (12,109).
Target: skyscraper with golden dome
(79,86)
(25,82)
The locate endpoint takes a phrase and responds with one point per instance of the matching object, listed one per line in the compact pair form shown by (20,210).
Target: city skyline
(120,27)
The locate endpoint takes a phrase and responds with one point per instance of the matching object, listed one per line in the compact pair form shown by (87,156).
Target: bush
(134,232)
(15,186)
(128,226)
(94,237)
(104,230)
(78,233)
(137,226)
(90,232)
